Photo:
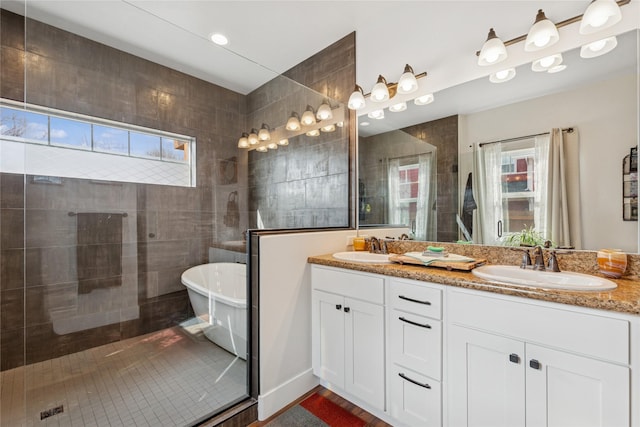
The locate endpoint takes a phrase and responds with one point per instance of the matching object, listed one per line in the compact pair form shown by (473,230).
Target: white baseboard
(277,398)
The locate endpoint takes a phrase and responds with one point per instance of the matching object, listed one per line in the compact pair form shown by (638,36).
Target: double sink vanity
(424,346)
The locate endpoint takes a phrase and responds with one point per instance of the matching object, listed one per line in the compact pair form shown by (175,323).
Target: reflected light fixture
(364,123)
(407,82)
(599,15)
(493,50)
(557,69)
(262,149)
(546,63)
(424,99)
(328,128)
(253,137)
(272,146)
(356,100)
(324,111)
(308,117)
(502,76)
(396,108)
(243,142)
(376,114)
(380,91)
(264,134)
(314,132)
(542,34)
(598,48)
(293,123)
(283,142)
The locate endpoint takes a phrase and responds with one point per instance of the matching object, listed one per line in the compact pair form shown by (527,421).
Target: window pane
(24,124)
(145,145)
(70,132)
(174,149)
(110,139)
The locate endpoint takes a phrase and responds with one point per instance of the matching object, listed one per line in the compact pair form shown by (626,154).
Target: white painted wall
(285,311)
(606,117)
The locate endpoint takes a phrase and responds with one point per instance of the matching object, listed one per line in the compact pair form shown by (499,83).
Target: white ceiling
(269,37)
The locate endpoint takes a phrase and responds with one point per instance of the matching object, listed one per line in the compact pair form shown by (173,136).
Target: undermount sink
(367,257)
(514,275)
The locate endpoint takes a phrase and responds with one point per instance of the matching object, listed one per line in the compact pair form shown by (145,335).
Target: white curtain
(488,193)
(423,214)
(393,180)
(541,217)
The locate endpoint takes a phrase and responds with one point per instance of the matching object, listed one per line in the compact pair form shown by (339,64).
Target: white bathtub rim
(188,281)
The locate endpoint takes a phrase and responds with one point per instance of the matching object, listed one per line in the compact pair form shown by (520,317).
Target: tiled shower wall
(166,229)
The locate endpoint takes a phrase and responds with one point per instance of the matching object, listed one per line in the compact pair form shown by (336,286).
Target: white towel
(426,260)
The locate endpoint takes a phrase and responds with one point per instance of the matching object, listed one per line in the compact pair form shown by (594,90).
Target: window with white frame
(43,141)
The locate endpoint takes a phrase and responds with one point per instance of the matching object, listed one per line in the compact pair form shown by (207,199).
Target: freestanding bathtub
(218,295)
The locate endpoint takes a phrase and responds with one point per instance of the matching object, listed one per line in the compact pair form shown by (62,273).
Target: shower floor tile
(170,377)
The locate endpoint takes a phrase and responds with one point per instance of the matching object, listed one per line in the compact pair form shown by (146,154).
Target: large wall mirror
(414,166)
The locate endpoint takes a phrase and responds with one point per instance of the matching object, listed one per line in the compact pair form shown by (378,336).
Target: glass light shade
(502,76)
(376,114)
(324,112)
(308,118)
(340,124)
(262,149)
(542,34)
(407,82)
(599,15)
(293,123)
(314,132)
(253,137)
(599,47)
(272,146)
(243,142)
(328,128)
(380,91)
(283,141)
(493,50)
(544,64)
(396,108)
(356,100)
(263,134)
(424,99)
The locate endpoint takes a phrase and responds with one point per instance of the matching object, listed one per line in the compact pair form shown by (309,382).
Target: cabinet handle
(338,306)
(422,325)
(404,377)
(414,300)
(347,309)
(514,358)
(535,364)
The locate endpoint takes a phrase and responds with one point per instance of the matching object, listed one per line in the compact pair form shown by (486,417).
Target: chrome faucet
(538,263)
(377,246)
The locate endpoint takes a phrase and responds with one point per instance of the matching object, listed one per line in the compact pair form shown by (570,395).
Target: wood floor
(355,410)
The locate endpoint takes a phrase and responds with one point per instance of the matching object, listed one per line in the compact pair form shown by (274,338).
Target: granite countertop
(624,299)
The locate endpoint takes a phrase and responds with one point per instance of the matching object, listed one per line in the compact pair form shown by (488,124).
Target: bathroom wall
(304,184)
(166,230)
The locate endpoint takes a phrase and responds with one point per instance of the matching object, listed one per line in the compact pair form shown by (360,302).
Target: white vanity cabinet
(415,352)
(348,332)
(514,363)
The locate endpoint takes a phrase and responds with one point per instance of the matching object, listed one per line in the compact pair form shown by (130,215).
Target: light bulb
(502,75)
(243,142)
(543,64)
(262,149)
(293,123)
(407,82)
(328,128)
(253,137)
(542,34)
(272,146)
(283,141)
(324,111)
(356,100)
(546,62)
(308,117)
(597,46)
(314,132)
(380,91)
(264,134)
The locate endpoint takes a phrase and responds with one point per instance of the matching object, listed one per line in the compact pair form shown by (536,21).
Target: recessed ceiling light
(219,39)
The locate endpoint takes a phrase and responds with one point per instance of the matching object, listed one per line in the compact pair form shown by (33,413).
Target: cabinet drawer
(362,286)
(416,298)
(416,343)
(415,400)
(583,333)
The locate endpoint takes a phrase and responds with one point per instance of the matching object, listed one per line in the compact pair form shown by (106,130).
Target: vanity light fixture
(293,123)
(380,91)
(424,99)
(263,133)
(243,142)
(598,48)
(308,117)
(502,76)
(253,137)
(599,15)
(542,34)
(407,83)
(283,142)
(356,100)
(396,108)
(324,111)
(546,63)
(493,50)
(376,114)
(314,132)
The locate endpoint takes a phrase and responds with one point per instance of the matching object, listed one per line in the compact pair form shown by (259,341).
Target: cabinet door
(414,399)
(364,352)
(565,390)
(486,379)
(328,337)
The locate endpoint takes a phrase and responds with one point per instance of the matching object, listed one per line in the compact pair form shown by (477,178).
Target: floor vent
(51,412)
